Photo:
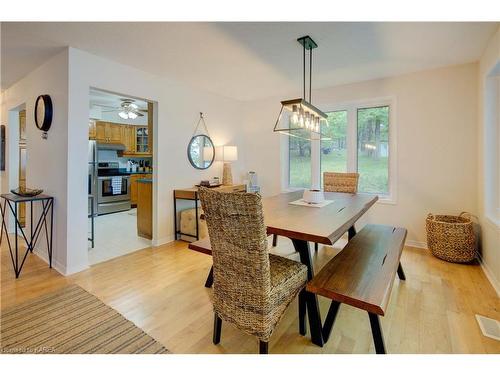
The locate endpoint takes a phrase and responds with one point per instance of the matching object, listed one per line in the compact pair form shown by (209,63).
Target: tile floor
(116,235)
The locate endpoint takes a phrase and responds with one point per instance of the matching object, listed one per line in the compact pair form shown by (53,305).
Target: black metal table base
(47,207)
(311,300)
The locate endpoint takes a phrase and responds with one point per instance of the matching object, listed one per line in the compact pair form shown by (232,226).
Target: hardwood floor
(162,291)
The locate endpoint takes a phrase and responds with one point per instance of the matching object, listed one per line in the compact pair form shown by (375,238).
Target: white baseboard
(61,268)
(418,244)
(490,276)
(163,241)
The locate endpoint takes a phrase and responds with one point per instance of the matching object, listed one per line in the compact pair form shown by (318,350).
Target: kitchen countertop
(103,172)
(145,180)
(137,172)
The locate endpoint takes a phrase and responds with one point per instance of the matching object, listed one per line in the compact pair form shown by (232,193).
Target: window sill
(384,199)
(291,189)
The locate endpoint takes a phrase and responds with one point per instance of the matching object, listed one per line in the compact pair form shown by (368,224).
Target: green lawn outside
(373,172)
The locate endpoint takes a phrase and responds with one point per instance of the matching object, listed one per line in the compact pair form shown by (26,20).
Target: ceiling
(249,61)
(105,106)
(107,100)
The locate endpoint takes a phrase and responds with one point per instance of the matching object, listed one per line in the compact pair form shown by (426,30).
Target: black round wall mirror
(43,112)
(201,151)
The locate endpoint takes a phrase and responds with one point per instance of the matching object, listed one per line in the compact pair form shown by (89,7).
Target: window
(299,154)
(334,151)
(373,149)
(361,138)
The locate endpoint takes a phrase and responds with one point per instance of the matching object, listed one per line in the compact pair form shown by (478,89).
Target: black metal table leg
(378,339)
(17,270)
(31,224)
(196,215)
(175,217)
(51,230)
(401,273)
(275,240)
(210,278)
(351,232)
(302,312)
(302,247)
(47,205)
(330,319)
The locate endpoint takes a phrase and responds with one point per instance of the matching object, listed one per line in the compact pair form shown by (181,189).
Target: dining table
(323,224)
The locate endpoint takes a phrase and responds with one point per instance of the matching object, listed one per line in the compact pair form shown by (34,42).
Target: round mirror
(201,152)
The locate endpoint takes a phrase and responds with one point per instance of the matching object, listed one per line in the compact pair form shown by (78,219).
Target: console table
(191,194)
(13,201)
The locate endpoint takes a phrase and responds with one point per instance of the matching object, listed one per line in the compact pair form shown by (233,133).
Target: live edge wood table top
(322,225)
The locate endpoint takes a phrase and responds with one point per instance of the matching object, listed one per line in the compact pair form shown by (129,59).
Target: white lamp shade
(230,153)
(208,153)
(219,153)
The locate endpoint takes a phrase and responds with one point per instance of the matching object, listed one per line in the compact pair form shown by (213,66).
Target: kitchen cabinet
(133,186)
(142,140)
(115,133)
(107,132)
(145,209)
(128,138)
(136,139)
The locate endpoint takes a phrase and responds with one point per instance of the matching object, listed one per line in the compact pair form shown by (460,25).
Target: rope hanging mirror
(201,149)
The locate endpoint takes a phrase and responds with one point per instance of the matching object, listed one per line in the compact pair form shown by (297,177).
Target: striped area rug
(71,320)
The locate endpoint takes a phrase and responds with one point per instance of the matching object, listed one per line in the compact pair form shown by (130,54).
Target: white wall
(46,162)
(177,112)
(487,152)
(436,115)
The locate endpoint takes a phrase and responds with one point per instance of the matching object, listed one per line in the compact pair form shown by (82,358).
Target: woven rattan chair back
(340,182)
(241,268)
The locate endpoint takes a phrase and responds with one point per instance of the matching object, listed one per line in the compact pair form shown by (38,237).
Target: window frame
(352,143)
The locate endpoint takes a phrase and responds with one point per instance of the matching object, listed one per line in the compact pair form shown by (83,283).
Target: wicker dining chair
(340,182)
(252,288)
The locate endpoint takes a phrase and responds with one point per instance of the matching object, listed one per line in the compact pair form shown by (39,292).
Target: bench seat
(362,274)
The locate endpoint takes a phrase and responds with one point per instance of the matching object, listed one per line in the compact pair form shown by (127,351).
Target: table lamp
(229,154)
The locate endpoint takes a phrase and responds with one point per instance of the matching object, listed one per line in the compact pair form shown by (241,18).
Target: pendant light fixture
(298,117)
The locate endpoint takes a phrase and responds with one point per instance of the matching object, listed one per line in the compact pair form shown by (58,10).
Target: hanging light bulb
(295,115)
(308,120)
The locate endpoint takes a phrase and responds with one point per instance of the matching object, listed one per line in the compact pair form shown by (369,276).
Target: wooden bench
(361,275)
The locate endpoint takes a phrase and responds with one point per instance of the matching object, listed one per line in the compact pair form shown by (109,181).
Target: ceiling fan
(127,109)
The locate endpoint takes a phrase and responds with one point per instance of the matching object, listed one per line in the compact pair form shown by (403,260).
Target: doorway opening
(120,174)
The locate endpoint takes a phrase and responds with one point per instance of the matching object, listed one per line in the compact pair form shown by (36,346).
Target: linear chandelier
(298,117)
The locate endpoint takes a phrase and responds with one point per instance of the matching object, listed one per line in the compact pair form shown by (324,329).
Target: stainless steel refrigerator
(92,176)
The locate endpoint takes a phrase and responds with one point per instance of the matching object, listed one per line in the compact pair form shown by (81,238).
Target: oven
(113,193)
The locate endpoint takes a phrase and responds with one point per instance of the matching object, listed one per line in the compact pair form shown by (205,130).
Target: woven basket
(451,238)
